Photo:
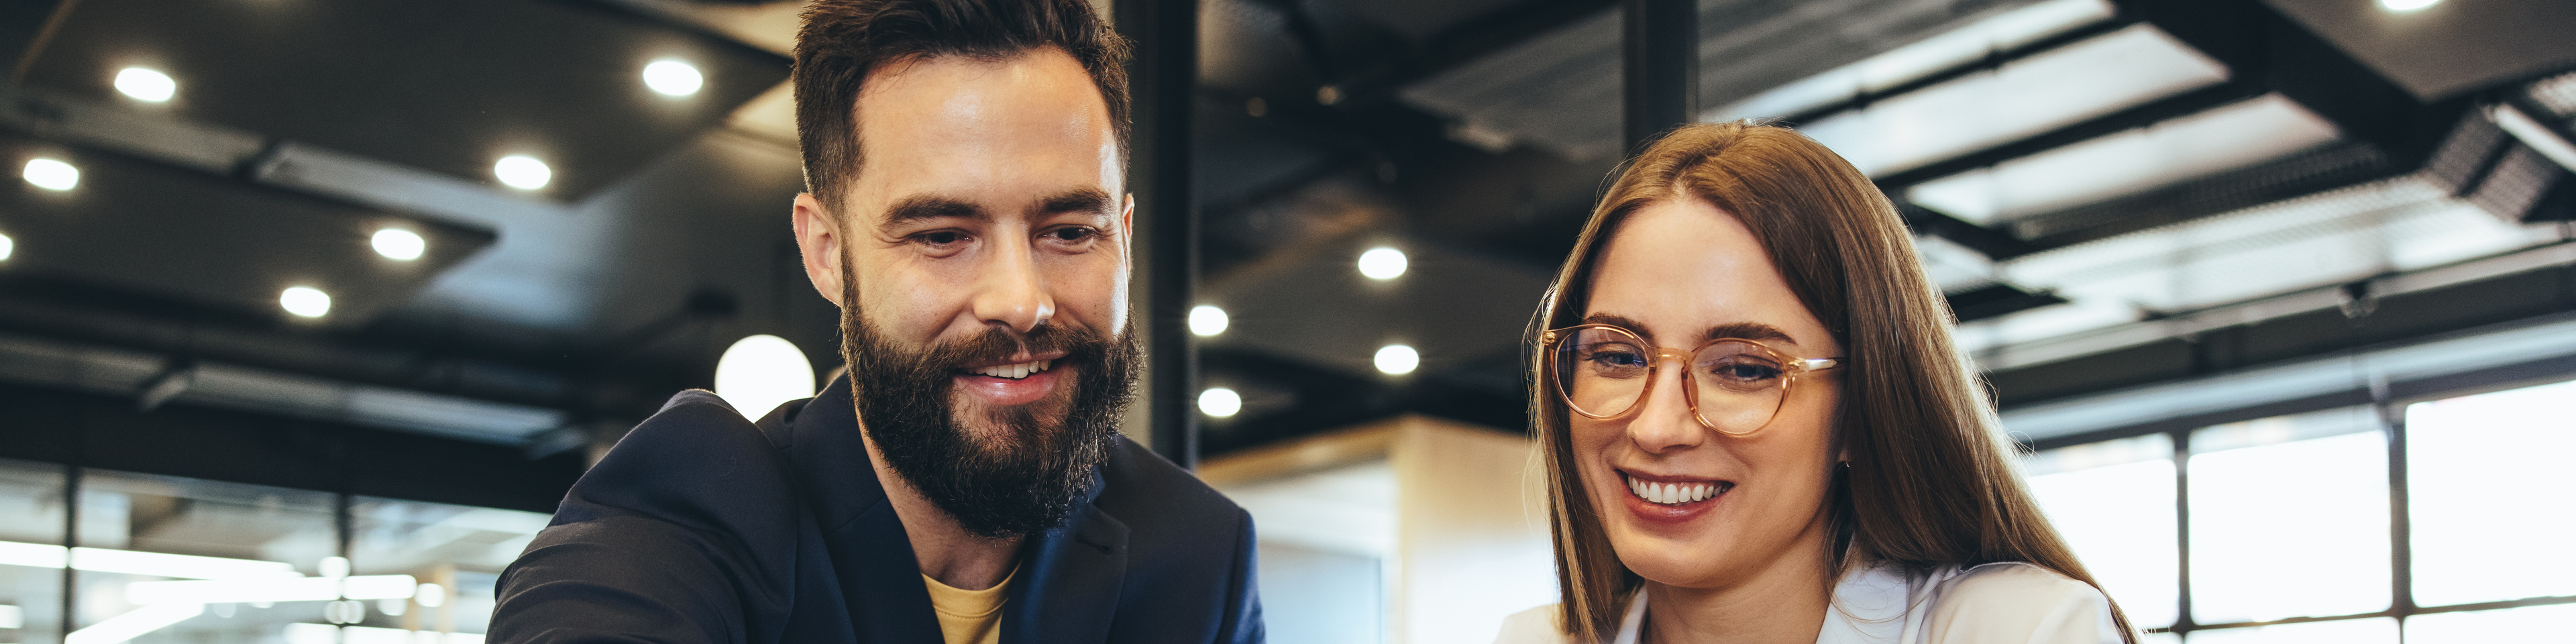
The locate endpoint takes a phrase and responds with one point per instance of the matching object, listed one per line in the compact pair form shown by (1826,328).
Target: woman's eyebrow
(1747,331)
(1622,322)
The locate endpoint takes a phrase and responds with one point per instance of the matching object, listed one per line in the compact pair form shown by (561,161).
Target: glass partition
(2114,503)
(2289,517)
(2489,495)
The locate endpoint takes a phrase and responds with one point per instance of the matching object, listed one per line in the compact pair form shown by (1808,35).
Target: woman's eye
(1745,371)
(1618,358)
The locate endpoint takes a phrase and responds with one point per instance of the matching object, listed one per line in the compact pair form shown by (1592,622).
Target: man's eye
(941,238)
(1072,233)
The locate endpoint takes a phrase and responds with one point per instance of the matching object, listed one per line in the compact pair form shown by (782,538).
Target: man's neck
(946,551)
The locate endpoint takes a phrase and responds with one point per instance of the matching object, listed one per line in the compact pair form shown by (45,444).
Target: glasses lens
(1601,371)
(1739,385)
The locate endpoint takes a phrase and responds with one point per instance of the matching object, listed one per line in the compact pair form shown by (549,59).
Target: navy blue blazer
(702,528)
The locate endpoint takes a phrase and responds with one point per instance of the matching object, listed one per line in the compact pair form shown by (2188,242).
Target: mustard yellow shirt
(969,616)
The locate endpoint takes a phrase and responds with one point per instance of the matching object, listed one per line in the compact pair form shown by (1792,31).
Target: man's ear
(1127,225)
(818,239)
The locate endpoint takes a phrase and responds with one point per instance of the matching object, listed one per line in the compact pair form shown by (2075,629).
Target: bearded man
(966,209)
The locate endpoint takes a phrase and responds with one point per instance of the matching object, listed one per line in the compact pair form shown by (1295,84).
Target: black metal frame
(1163,82)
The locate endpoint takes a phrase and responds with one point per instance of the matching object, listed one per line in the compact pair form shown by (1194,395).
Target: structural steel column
(1659,52)
(1163,77)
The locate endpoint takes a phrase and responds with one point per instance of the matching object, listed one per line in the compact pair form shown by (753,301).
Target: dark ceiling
(1473,134)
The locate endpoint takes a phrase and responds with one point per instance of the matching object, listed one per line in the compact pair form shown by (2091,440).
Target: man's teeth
(1673,493)
(1016,371)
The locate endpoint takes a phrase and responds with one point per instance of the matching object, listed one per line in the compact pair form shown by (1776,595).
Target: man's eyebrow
(1077,200)
(920,207)
(1747,331)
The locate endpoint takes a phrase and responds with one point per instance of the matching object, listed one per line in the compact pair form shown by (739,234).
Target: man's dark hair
(842,41)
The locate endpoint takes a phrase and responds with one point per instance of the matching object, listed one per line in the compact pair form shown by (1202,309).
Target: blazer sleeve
(1242,623)
(684,533)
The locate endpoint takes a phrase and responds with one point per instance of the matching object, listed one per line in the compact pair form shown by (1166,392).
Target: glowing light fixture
(1382,263)
(51,174)
(430,595)
(146,84)
(1205,320)
(134,623)
(1397,359)
(1220,402)
(396,243)
(2407,6)
(759,372)
(12,617)
(522,172)
(7,246)
(673,78)
(157,564)
(305,301)
(270,589)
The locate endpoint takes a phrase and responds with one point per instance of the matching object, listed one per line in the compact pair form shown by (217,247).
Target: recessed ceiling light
(51,174)
(145,84)
(523,172)
(305,301)
(1382,263)
(7,246)
(2404,6)
(1220,402)
(1397,359)
(1206,320)
(673,78)
(396,243)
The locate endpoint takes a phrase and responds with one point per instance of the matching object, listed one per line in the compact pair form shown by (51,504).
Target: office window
(31,537)
(2114,503)
(2289,517)
(2525,624)
(2380,630)
(2490,498)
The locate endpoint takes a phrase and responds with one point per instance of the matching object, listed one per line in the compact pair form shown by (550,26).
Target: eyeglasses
(1732,385)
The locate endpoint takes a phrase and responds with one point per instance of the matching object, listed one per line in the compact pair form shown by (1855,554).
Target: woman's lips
(1661,499)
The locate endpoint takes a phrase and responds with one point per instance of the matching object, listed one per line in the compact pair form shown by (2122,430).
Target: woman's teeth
(1674,493)
(1015,371)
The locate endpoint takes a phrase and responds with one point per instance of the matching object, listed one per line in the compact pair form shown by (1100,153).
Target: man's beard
(1001,472)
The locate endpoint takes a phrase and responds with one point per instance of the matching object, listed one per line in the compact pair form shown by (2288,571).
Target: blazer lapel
(871,557)
(1075,573)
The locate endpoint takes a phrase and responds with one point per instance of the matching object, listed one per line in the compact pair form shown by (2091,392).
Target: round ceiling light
(1382,263)
(146,84)
(2407,6)
(51,174)
(1397,359)
(305,301)
(673,78)
(7,246)
(399,244)
(522,172)
(1207,320)
(1220,402)
(758,373)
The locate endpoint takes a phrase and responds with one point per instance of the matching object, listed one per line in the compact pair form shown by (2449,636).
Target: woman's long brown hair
(1931,480)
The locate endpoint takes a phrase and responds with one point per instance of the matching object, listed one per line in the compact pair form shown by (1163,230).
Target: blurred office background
(310,310)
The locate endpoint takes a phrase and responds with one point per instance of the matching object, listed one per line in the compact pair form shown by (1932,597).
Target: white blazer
(1997,602)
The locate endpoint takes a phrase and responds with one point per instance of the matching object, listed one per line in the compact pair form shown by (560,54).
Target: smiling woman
(1757,428)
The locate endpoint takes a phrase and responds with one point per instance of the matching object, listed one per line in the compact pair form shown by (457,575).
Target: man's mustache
(998,343)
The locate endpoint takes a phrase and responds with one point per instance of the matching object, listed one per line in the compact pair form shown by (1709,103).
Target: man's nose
(1010,291)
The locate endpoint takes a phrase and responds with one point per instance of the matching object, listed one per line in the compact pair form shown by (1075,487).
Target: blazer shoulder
(1141,487)
(695,464)
(2019,602)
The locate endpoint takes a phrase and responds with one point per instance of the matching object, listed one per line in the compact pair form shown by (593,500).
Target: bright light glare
(396,243)
(760,372)
(51,174)
(157,564)
(2404,6)
(7,246)
(12,617)
(2113,501)
(1205,320)
(430,595)
(305,301)
(134,623)
(1220,402)
(278,589)
(1382,263)
(2468,538)
(1397,359)
(522,172)
(673,78)
(146,84)
(2257,555)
